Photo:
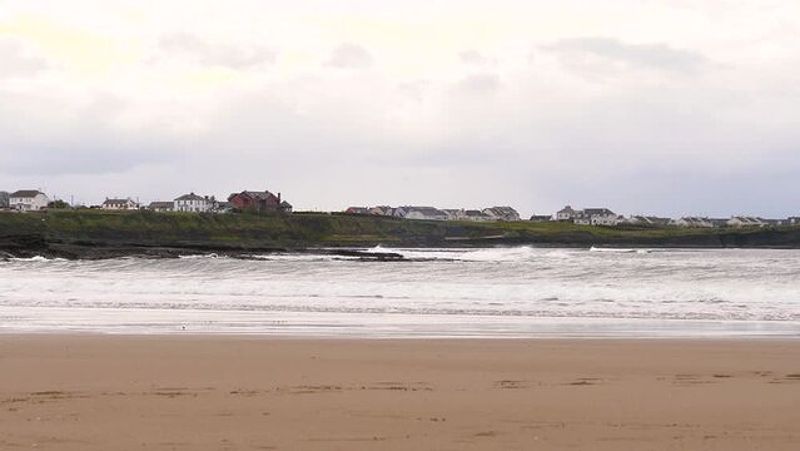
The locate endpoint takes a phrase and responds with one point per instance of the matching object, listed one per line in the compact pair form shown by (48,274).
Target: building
(477,216)
(259,201)
(793,220)
(382,210)
(540,218)
(693,221)
(286,207)
(223,207)
(746,221)
(566,214)
(596,216)
(455,214)
(28,200)
(119,204)
(193,203)
(502,213)
(650,221)
(161,206)
(4,200)
(426,213)
(357,211)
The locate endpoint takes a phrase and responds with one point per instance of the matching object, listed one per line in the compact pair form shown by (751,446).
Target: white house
(502,213)
(28,200)
(607,220)
(652,221)
(193,203)
(428,213)
(159,206)
(597,216)
(693,221)
(477,216)
(382,210)
(566,214)
(120,204)
(746,221)
(455,214)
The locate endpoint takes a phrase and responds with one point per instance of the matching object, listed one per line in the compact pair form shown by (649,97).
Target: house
(28,200)
(161,207)
(427,213)
(649,221)
(286,207)
(477,216)
(455,214)
(502,213)
(693,221)
(793,220)
(4,200)
(119,204)
(222,207)
(357,211)
(746,221)
(382,210)
(260,201)
(540,218)
(194,203)
(597,216)
(566,214)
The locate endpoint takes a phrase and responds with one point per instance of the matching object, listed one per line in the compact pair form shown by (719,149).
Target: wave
(619,250)
(487,255)
(37,258)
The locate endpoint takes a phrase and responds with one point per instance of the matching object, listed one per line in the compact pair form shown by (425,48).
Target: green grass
(318,229)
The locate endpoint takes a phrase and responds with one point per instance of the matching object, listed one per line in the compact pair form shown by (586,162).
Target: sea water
(492,292)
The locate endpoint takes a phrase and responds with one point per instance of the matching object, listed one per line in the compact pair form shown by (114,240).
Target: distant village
(267,202)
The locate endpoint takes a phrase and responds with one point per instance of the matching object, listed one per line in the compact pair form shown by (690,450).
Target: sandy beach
(94,392)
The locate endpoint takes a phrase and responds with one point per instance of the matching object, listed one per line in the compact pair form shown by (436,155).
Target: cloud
(475,58)
(350,56)
(76,140)
(575,52)
(479,84)
(215,54)
(15,62)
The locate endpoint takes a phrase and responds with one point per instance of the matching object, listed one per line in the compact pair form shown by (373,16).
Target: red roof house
(262,201)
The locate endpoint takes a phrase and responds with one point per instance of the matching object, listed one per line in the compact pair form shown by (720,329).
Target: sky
(646,107)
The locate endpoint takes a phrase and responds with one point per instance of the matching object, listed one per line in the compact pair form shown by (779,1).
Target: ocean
(482,293)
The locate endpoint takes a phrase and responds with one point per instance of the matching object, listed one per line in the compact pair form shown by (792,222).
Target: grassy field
(143,228)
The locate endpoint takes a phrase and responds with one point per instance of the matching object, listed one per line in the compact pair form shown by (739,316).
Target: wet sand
(98,392)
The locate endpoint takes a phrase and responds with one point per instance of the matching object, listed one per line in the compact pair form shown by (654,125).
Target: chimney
(279,198)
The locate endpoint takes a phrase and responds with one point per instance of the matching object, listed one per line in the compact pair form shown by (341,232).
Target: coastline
(99,235)
(87,392)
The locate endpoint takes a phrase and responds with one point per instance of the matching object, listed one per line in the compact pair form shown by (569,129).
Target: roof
(475,214)
(286,204)
(501,211)
(426,211)
(259,194)
(190,196)
(26,193)
(566,209)
(161,204)
(597,211)
(117,201)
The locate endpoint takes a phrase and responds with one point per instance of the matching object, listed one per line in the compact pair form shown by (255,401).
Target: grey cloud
(654,56)
(214,54)
(16,63)
(84,141)
(350,56)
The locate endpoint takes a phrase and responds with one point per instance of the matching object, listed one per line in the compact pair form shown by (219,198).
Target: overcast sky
(665,107)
